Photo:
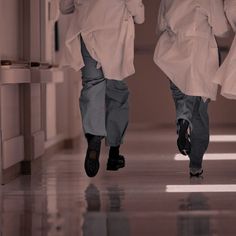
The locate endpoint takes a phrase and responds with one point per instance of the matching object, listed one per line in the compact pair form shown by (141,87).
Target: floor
(153,195)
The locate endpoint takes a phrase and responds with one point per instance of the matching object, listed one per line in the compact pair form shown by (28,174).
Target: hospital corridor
(54,180)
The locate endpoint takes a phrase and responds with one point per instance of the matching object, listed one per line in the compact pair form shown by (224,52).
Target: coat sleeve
(67,6)
(136,8)
(218,19)
(230,10)
(161,22)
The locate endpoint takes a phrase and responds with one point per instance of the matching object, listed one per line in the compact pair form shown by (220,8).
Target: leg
(200,133)
(92,98)
(184,105)
(116,120)
(117,113)
(92,106)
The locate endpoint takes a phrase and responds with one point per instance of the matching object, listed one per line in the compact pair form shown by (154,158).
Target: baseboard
(29,167)
(11,173)
(72,143)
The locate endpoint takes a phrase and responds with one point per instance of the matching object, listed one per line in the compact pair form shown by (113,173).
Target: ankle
(114,151)
(94,141)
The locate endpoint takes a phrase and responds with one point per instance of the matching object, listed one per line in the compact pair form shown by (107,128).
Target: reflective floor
(152,196)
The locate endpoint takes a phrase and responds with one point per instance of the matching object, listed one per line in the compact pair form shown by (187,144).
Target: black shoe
(91,164)
(183,141)
(195,172)
(115,163)
(115,160)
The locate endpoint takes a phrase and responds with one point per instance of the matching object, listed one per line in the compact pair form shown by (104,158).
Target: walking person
(187,53)
(226,75)
(100,42)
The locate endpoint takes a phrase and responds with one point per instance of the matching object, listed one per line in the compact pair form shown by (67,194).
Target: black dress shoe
(115,160)
(195,172)
(183,141)
(91,164)
(115,163)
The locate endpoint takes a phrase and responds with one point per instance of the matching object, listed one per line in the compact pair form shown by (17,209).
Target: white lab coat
(107,28)
(186,50)
(226,75)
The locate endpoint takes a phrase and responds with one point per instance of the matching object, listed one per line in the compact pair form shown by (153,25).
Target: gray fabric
(117,111)
(103,102)
(193,109)
(184,104)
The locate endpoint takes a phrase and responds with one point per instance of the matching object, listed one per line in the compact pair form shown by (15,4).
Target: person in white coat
(187,53)
(226,75)
(100,42)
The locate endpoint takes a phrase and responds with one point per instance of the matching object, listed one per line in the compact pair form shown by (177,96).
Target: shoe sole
(115,167)
(183,141)
(187,147)
(196,175)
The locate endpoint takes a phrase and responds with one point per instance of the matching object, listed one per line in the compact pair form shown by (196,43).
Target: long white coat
(186,50)
(107,28)
(226,75)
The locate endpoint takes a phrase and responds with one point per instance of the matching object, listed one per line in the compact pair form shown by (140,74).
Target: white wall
(68,92)
(10,37)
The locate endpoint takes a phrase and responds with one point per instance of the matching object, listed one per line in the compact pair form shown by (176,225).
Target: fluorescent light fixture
(223,138)
(213,188)
(209,156)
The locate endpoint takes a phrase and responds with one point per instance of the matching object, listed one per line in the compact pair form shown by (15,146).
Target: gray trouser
(194,110)
(103,103)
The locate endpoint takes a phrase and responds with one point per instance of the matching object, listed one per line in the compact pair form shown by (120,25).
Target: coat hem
(174,80)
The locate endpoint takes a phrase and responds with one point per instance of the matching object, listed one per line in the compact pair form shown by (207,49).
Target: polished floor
(152,196)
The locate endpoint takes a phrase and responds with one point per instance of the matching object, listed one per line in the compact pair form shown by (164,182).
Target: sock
(114,151)
(94,141)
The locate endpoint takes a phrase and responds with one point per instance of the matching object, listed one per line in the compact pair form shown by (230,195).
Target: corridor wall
(37,103)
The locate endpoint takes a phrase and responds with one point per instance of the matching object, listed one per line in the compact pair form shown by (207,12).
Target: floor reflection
(107,219)
(194,221)
(117,225)
(61,200)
